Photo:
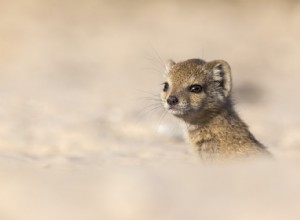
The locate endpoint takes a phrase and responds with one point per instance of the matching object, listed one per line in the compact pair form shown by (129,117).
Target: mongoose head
(194,89)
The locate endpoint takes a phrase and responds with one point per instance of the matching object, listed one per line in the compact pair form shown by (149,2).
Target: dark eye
(165,86)
(195,88)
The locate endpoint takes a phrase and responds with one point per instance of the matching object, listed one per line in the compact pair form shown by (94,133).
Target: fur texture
(199,93)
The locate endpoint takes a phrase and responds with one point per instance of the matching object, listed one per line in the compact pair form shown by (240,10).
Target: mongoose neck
(223,115)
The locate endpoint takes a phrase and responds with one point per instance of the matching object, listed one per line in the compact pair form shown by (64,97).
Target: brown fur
(213,127)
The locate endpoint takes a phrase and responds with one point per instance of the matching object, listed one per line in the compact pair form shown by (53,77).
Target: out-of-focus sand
(80,134)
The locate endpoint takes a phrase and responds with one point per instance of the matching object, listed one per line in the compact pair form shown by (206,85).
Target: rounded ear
(221,74)
(168,65)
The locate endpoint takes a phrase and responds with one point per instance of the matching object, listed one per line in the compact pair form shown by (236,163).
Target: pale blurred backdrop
(78,87)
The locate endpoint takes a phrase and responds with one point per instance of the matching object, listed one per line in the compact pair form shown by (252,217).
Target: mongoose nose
(172,100)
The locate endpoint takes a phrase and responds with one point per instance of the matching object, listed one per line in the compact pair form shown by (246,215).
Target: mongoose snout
(172,100)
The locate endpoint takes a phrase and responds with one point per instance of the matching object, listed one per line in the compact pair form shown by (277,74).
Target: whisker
(145,92)
(150,109)
(160,120)
(156,69)
(154,97)
(150,100)
(151,106)
(154,61)
(156,57)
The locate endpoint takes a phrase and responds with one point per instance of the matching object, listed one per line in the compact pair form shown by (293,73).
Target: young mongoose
(199,93)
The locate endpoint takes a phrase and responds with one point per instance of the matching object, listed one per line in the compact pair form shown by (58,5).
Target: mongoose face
(198,92)
(195,88)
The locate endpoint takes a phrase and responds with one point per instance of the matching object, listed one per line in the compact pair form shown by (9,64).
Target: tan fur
(213,127)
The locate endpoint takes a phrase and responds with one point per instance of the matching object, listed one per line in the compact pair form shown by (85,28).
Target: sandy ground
(82,135)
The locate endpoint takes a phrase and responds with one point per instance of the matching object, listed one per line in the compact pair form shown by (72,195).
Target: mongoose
(199,93)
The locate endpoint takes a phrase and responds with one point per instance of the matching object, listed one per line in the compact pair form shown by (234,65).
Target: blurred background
(79,82)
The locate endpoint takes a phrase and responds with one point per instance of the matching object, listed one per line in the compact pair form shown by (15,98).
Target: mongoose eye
(165,86)
(195,88)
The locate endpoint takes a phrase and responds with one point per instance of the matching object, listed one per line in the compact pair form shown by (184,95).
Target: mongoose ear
(169,65)
(222,75)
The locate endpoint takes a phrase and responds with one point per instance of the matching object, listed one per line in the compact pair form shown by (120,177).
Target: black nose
(172,100)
